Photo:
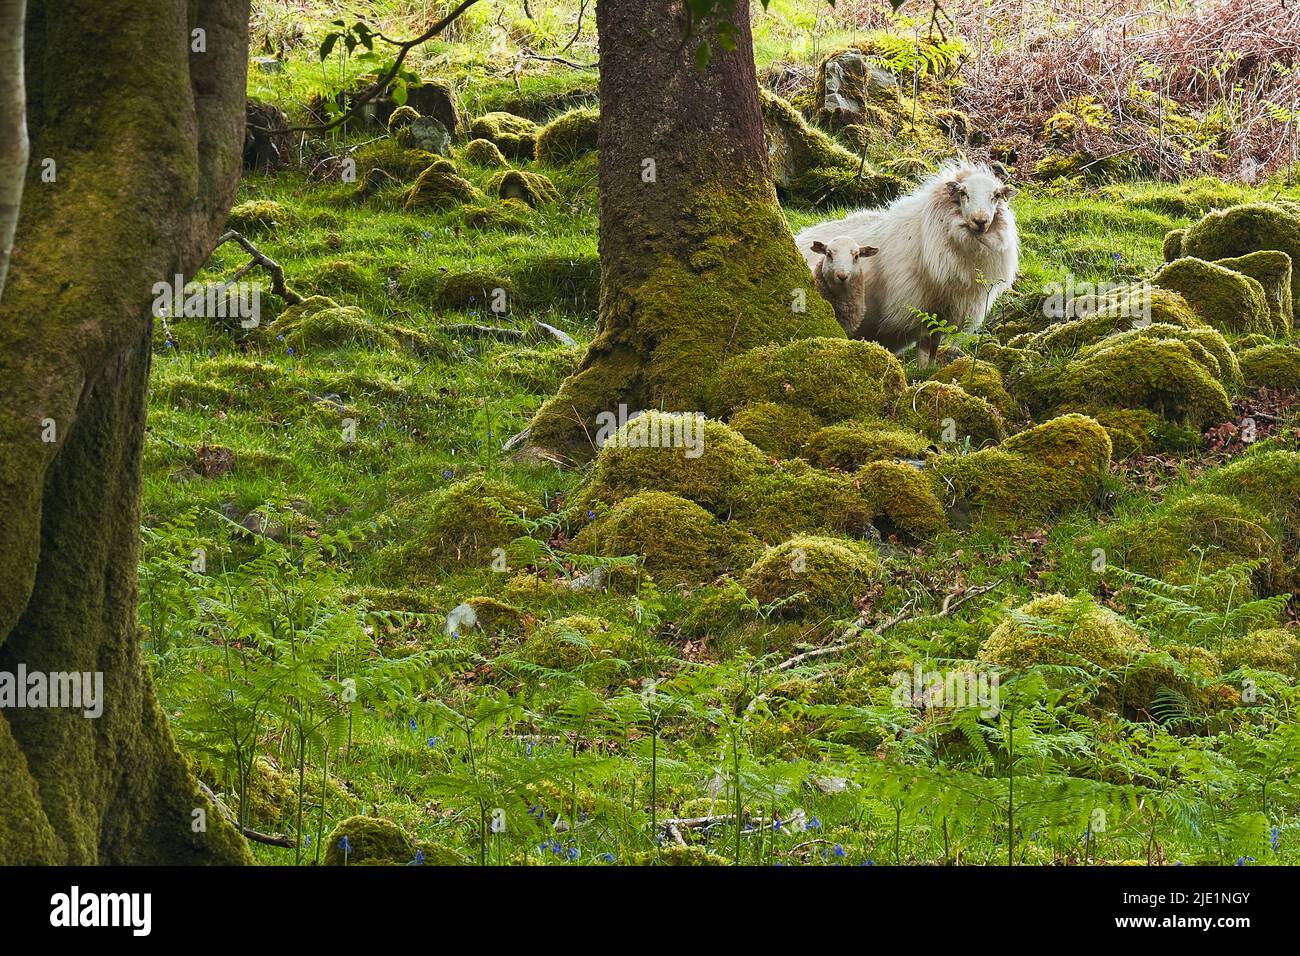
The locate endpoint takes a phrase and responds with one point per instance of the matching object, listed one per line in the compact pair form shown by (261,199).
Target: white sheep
(840,277)
(948,249)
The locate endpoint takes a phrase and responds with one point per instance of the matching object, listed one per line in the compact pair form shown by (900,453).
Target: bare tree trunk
(140,106)
(13,127)
(697,262)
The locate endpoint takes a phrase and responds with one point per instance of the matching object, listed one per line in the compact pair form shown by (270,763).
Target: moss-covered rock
(472,291)
(515,136)
(461,523)
(780,430)
(795,498)
(388,161)
(902,499)
(496,618)
(1224,299)
(320,322)
(1177,379)
(718,610)
(523,186)
(812,573)
(1266,480)
(1273,270)
(485,153)
(368,841)
(1077,630)
(833,379)
(1135,431)
(949,415)
(257,216)
(1171,247)
(1240,230)
(849,446)
(678,541)
(983,380)
(568,136)
(1272,649)
(508,215)
(440,187)
(1091,318)
(1046,470)
(1271,366)
(566,642)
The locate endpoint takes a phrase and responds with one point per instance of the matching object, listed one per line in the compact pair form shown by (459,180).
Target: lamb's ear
(818,247)
(865,252)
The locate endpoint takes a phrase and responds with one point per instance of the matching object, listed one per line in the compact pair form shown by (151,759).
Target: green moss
(795,498)
(400,118)
(779,430)
(983,380)
(812,574)
(678,541)
(1267,480)
(1135,431)
(539,371)
(1226,300)
(1272,649)
(461,523)
(485,153)
(677,855)
(394,161)
(1272,366)
(850,446)
(321,322)
(1077,630)
(259,216)
(531,188)
(902,499)
(1273,271)
(1049,469)
(1171,247)
(341,276)
(1241,230)
(719,610)
(509,215)
(579,642)
(568,136)
(1096,317)
(515,136)
(471,291)
(440,187)
(370,841)
(834,379)
(496,618)
(1175,379)
(1081,165)
(948,415)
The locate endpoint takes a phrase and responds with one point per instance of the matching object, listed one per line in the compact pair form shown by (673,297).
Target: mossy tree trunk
(697,261)
(136,113)
(13,126)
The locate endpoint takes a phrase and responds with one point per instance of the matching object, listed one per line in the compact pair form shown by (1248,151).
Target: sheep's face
(840,258)
(981,201)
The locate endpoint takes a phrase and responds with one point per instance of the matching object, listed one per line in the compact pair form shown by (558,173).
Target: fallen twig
(273,268)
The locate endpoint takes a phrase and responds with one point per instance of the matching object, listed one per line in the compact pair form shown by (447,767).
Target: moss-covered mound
(679,542)
(1175,378)
(1055,629)
(833,379)
(440,187)
(1046,470)
(1272,649)
(485,153)
(812,573)
(389,162)
(472,291)
(1240,230)
(849,446)
(949,415)
(902,499)
(257,216)
(523,186)
(568,136)
(780,430)
(1267,480)
(569,642)
(508,215)
(983,380)
(461,523)
(1092,318)
(515,136)
(1271,366)
(320,322)
(795,498)
(1171,247)
(1273,270)
(1226,300)
(369,841)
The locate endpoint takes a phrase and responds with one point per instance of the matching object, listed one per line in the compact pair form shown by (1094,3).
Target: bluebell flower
(419,858)
(574,853)
(414,725)
(838,849)
(1275,837)
(433,741)
(607,857)
(345,845)
(814,824)
(446,473)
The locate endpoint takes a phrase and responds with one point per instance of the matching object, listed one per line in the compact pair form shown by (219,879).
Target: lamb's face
(980,200)
(840,258)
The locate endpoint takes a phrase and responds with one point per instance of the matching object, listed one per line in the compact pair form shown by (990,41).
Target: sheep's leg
(927,346)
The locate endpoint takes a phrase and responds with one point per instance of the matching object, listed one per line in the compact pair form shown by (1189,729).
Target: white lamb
(840,276)
(948,249)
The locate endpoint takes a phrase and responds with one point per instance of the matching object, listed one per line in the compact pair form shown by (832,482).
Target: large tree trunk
(145,133)
(697,262)
(13,127)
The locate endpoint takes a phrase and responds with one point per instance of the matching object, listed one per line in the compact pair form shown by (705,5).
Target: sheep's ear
(818,247)
(956,189)
(1007,191)
(865,252)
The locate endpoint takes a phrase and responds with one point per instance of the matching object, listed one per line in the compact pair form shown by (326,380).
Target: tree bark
(13,127)
(697,262)
(145,131)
